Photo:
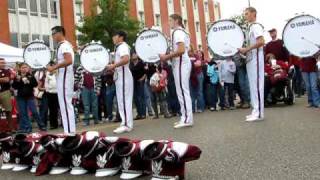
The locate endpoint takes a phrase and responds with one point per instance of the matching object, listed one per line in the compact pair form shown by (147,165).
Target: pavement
(286,146)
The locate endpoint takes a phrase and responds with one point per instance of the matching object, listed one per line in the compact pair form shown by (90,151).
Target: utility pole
(249,3)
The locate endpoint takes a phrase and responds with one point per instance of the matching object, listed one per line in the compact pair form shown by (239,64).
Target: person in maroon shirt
(276,47)
(310,74)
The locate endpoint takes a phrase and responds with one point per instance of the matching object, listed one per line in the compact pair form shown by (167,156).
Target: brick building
(22,21)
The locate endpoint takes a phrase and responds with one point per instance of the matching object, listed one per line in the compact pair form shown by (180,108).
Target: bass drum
(301,36)
(37,55)
(149,44)
(225,37)
(94,58)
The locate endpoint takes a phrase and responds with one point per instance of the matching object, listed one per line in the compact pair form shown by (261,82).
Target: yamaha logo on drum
(37,49)
(149,36)
(302,23)
(223,28)
(93,50)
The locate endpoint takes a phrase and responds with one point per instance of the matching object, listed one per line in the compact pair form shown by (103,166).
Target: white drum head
(225,37)
(301,36)
(94,58)
(37,55)
(149,44)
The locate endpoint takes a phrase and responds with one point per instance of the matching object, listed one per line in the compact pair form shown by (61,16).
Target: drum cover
(37,55)
(149,44)
(301,36)
(94,58)
(225,37)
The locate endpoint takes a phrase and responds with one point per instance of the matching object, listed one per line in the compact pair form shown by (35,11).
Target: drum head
(225,37)
(301,36)
(94,58)
(149,44)
(37,55)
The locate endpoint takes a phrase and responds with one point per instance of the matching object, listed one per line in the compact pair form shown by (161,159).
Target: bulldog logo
(156,167)
(126,163)
(76,160)
(6,156)
(102,160)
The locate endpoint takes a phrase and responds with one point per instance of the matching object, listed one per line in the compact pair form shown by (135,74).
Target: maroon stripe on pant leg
(124,98)
(64,97)
(180,82)
(258,83)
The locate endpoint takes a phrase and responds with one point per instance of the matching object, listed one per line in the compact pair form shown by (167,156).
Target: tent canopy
(11,54)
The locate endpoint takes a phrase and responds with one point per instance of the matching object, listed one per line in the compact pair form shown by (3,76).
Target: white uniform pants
(124,91)
(255,69)
(65,83)
(181,73)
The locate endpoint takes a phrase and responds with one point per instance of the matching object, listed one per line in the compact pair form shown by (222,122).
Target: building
(22,21)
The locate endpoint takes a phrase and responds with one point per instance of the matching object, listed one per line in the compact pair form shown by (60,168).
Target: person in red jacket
(276,47)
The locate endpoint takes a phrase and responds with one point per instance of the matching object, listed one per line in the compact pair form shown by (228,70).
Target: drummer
(181,69)
(65,79)
(255,65)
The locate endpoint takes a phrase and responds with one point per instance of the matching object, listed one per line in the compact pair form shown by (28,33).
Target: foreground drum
(225,37)
(37,55)
(149,44)
(301,36)
(94,57)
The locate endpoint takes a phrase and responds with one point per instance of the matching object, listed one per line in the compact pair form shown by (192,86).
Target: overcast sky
(271,13)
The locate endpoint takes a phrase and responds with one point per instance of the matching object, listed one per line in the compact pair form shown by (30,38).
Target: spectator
(52,97)
(172,98)
(5,94)
(227,72)
(89,86)
(158,84)
(138,73)
(215,88)
(110,94)
(196,81)
(310,74)
(276,47)
(24,83)
(40,94)
(297,78)
(242,80)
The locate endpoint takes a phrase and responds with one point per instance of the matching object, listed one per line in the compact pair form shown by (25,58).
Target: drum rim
(284,28)
(148,29)
(95,43)
(33,42)
(224,20)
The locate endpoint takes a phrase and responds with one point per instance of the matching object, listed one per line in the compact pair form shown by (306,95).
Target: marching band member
(65,78)
(124,81)
(255,64)
(181,69)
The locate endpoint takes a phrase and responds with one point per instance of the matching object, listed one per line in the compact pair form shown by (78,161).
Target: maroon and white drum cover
(37,55)
(94,57)
(301,36)
(225,37)
(149,44)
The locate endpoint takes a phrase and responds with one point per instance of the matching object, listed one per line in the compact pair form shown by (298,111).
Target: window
(197,26)
(24,39)
(141,17)
(33,8)
(195,4)
(185,23)
(14,39)
(44,8)
(46,39)
(78,9)
(53,8)
(182,3)
(158,20)
(22,4)
(206,6)
(169,1)
(35,37)
(12,6)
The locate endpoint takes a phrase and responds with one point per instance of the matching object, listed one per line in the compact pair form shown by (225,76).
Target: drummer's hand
(243,50)
(163,57)
(111,67)
(50,69)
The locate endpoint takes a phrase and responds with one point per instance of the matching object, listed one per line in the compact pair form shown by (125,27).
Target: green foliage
(113,16)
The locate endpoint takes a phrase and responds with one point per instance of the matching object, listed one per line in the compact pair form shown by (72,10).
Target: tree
(112,17)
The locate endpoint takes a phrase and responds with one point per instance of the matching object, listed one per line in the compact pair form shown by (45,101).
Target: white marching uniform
(255,69)
(65,85)
(181,67)
(124,86)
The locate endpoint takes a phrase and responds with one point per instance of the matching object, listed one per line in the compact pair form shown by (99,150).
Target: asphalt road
(284,146)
